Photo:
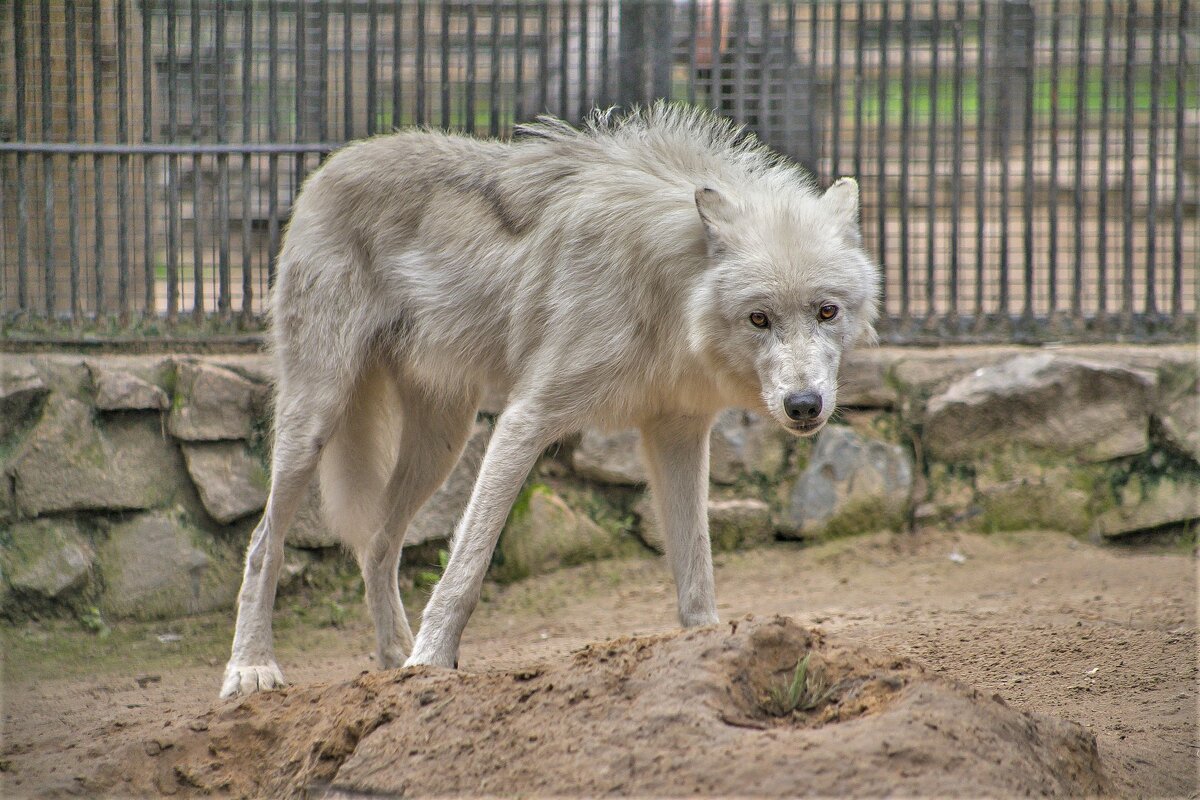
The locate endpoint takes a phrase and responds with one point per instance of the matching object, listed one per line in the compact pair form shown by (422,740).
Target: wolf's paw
(241,680)
(430,658)
(392,657)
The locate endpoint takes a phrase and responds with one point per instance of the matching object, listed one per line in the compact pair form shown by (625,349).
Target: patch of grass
(806,691)
(428,578)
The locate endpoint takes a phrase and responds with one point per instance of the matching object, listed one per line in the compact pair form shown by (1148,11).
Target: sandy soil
(1012,632)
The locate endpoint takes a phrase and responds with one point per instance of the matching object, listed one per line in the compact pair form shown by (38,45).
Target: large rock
(117,390)
(158,566)
(732,524)
(68,463)
(213,403)
(21,390)
(852,485)
(1039,502)
(544,533)
(232,483)
(743,444)
(864,382)
(610,457)
(1056,403)
(1144,506)
(1178,411)
(46,558)
(739,523)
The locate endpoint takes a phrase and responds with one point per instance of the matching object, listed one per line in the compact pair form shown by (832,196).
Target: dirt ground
(950,655)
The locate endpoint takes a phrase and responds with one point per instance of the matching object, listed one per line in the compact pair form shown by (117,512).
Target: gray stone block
(852,485)
(68,463)
(610,457)
(1060,404)
(46,558)
(117,390)
(159,566)
(231,481)
(212,403)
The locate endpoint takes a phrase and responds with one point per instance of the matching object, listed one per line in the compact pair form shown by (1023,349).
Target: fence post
(1012,53)
(661,27)
(631,46)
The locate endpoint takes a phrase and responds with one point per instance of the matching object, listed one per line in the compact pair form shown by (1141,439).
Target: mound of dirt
(713,711)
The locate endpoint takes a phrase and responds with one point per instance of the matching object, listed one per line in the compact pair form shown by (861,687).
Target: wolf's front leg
(520,436)
(676,454)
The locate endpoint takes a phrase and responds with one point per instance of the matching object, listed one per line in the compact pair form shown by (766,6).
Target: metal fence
(1029,170)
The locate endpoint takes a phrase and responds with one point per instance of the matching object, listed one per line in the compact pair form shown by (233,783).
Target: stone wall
(131,483)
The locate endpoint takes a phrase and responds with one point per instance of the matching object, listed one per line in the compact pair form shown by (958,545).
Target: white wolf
(647,270)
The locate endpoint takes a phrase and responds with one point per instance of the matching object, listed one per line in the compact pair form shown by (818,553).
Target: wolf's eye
(759,320)
(827,312)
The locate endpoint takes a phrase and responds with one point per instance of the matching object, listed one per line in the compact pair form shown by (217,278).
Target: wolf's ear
(842,200)
(716,213)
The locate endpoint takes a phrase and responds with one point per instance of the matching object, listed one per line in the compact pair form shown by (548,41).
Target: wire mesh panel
(1029,170)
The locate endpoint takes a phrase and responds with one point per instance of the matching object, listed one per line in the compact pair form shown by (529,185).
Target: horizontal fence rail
(1030,170)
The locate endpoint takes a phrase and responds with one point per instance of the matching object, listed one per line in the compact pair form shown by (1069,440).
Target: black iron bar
(584,98)
(518,61)
(859,86)
(1177,206)
(372,66)
(197,177)
(347,68)
(835,139)
(981,168)
(98,161)
(1127,219)
(564,52)
(445,66)
(469,99)
(693,34)
(273,134)
(247,75)
(420,113)
(494,83)
(224,289)
(1052,254)
(1081,71)
(1151,307)
(1027,198)
(124,298)
(398,62)
(931,206)
(956,183)
(1102,172)
(543,57)
(20,124)
(48,187)
(69,37)
(882,155)
(906,79)
(150,301)
(173,194)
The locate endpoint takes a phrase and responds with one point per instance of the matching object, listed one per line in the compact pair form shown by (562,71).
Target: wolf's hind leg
(433,433)
(676,455)
(302,426)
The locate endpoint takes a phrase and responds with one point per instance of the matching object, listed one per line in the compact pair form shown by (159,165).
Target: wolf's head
(788,290)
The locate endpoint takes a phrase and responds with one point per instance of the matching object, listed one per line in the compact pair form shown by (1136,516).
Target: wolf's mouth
(805,428)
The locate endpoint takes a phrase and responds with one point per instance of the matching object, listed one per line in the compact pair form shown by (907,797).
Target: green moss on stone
(864,516)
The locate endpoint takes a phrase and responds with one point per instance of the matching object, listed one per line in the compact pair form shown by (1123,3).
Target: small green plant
(428,578)
(804,693)
(93,622)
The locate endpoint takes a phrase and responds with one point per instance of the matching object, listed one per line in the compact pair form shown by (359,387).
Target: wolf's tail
(358,460)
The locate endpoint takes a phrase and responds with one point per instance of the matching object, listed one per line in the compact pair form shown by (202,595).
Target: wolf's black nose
(802,405)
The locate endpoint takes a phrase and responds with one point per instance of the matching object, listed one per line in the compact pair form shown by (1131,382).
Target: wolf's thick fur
(648,270)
